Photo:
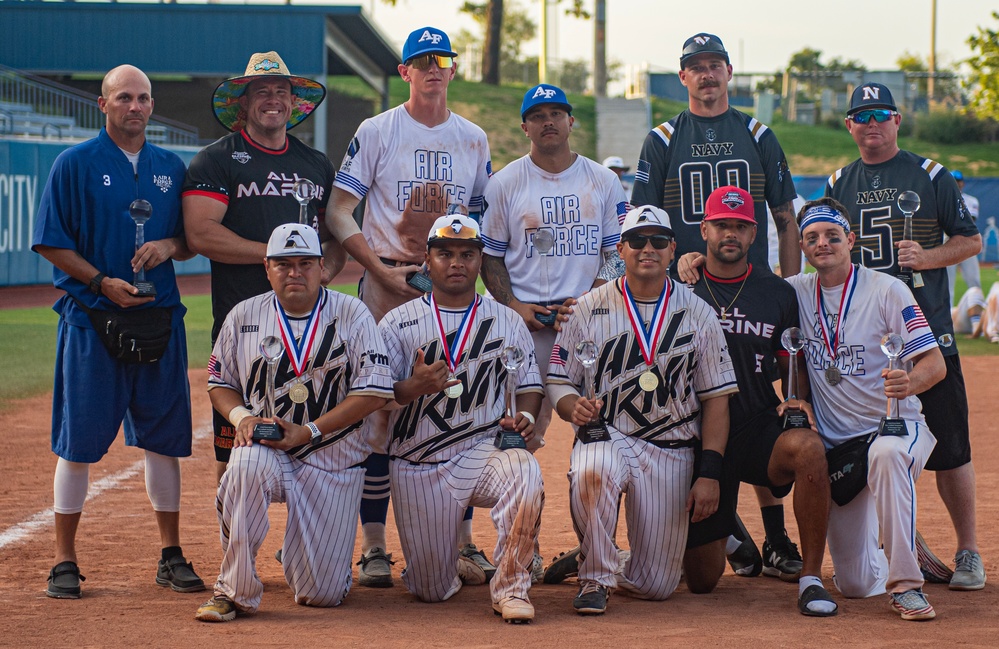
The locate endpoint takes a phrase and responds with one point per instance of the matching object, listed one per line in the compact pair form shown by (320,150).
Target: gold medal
(648,381)
(833,375)
(298,392)
(454,391)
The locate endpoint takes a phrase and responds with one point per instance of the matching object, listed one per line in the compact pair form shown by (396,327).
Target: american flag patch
(489,168)
(559,356)
(642,172)
(622,211)
(913,317)
(214,367)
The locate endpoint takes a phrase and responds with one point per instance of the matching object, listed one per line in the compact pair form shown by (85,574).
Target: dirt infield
(123,607)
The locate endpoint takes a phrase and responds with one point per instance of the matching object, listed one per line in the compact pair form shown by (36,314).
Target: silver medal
(454,391)
(833,375)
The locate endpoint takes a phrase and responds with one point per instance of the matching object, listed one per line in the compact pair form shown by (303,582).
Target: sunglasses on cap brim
(443,61)
(879,115)
(658,241)
(447,233)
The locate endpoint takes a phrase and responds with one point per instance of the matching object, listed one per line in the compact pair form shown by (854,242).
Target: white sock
(731,545)
(816,606)
(465,533)
(372,536)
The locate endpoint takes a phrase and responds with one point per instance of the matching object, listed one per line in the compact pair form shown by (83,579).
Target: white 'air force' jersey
(434,428)
(347,358)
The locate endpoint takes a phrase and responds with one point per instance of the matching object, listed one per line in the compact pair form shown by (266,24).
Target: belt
(675,443)
(551,303)
(396,262)
(412,462)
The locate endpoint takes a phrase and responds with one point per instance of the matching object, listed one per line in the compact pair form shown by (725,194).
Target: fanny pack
(133,336)
(848,468)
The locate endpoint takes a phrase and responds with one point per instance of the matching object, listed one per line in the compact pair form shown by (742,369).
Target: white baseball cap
(646,216)
(455,227)
(294,240)
(615,162)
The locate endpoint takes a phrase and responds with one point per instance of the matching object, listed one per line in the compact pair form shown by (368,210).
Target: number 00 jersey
(348,358)
(870,194)
(685,159)
(691,362)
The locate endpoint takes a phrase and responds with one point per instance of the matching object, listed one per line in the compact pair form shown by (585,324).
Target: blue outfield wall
(25,166)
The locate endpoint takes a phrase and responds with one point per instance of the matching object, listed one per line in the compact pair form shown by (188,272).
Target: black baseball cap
(871,95)
(702,43)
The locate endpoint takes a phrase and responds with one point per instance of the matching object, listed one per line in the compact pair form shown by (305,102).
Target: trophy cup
(513,358)
(596,429)
(140,210)
(891,345)
(793,341)
(544,242)
(271,349)
(305,191)
(908,202)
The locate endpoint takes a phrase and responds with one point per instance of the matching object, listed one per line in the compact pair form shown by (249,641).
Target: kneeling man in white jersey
(448,352)
(331,373)
(846,310)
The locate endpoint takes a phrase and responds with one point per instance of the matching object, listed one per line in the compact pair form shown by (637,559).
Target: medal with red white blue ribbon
(648,338)
(298,351)
(831,343)
(452,352)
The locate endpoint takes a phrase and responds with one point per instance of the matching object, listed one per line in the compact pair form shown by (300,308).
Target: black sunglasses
(659,241)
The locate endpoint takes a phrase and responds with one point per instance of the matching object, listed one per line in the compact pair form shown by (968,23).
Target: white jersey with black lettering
(410,173)
(873,305)
(581,207)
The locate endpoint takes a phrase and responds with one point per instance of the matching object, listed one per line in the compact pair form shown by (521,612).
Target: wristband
(317,435)
(711,465)
(528,416)
(238,414)
(95,284)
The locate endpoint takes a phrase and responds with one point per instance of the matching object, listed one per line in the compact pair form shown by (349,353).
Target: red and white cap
(730,203)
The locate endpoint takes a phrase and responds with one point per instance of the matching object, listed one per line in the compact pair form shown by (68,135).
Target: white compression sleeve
(163,482)
(70,485)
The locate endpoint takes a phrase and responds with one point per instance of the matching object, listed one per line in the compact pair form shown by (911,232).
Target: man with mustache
(683,160)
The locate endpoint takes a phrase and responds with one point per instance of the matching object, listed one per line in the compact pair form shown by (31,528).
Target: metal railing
(34,106)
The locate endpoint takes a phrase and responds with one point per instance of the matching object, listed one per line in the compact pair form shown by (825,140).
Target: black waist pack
(848,468)
(133,336)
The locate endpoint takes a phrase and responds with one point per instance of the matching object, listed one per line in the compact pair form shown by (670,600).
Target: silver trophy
(543,242)
(596,429)
(892,345)
(909,202)
(513,358)
(271,349)
(140,210)
(793,341)
(305,191)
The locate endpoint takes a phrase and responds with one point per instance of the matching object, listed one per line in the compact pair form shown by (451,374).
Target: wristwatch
(95,284)
(317,435)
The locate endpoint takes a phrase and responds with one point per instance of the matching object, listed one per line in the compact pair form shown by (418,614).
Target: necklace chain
(724,310)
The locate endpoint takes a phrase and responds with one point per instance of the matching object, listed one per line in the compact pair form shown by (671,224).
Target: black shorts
(225,433)
(945,407)
(747,458)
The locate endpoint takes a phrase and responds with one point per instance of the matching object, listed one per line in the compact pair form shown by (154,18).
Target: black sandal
(816,594)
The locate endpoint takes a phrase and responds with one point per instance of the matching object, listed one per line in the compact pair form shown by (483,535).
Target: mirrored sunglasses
(659,241)
(448,233)
(880,116)
(423,62)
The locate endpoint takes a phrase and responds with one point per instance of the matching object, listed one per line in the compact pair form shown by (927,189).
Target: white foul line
(45,518)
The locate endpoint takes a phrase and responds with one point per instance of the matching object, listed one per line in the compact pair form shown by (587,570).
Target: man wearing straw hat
(241,187)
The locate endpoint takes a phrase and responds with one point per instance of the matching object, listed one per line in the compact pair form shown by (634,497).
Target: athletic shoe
(782,560)
(969,573)
(592,598)
(376,569)
(469,572)
(64,581)
(994,339)
(746,561)
(478,557)
(562,567)
(934,570)
(179,575)
(912,605)
(218,609)
(537,569)
(514,610)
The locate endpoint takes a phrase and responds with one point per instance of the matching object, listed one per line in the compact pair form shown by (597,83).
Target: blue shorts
(95,393)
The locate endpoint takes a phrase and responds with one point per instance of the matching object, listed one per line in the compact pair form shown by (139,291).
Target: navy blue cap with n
(871,95)
(426,40)
(702,43)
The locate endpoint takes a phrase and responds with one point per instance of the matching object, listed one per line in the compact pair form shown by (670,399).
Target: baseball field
(118,547)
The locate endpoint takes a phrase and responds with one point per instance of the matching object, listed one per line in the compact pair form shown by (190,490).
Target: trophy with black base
(892,345)
(513,358)
(543,242)
(140,210)
(305,191)
(793,341)
(909,203)
(271,349)
(596,429)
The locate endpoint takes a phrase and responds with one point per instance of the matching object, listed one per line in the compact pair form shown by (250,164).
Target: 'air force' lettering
(433,188)
(427,36)
(547,93)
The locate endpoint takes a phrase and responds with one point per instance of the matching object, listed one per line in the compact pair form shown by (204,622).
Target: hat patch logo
(648,216)
(267,65)
(295,241)
(541,91)
(456,226)
(871,93)
(433,38)
(732,200)
(701,40)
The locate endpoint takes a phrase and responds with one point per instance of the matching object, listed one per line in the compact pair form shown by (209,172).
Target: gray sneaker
(474,554)
(969,573)
(376,569)
(592,598)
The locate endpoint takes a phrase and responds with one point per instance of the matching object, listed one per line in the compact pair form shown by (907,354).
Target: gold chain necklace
(724,310)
